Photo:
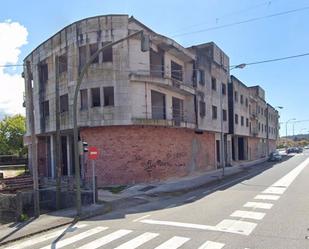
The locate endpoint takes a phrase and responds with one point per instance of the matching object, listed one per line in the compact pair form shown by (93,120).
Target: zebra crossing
(81,236)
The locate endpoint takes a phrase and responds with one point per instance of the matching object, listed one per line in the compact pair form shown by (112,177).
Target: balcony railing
(167,82)
(162,117)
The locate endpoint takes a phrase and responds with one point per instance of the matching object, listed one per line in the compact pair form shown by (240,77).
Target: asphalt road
(266,209)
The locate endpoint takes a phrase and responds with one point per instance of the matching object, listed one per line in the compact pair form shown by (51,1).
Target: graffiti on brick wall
(152,165)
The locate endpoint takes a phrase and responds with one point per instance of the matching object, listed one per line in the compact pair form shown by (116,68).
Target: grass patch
(116,189)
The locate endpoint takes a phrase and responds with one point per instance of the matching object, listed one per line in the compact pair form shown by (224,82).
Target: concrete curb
(105,210)
(202,181)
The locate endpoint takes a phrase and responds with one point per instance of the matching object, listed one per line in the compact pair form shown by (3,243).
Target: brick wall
(272,145)
(256,148)
(134,154)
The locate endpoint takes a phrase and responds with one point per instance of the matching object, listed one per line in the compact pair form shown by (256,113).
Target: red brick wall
(134,154)
(256,148)
(272,145)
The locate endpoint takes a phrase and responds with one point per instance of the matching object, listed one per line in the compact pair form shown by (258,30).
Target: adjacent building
(253,122)
(155,114)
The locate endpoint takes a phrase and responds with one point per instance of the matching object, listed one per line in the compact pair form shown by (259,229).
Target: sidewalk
(135,195)
(14,231)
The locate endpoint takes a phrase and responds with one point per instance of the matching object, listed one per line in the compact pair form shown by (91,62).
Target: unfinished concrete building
(250,123)
(212,77)
(151,114)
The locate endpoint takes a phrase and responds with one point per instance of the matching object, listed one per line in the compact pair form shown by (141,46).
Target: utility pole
(58,150)
(34,156)
(144,47)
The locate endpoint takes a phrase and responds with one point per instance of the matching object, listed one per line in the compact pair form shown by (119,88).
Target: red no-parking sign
(93,153)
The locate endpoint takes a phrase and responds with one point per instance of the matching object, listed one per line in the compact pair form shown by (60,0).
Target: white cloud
(12,37)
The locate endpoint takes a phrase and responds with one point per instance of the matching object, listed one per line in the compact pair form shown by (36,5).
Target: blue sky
(286,82)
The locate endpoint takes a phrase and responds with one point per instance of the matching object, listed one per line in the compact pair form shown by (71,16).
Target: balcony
(254,132)
(253,115)
(165,82)
(159,117)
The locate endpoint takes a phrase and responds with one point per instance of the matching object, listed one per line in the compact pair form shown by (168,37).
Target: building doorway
(241,148)
(218,151)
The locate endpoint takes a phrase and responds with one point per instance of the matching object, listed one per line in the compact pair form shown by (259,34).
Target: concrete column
(52,156)
(169,106)
(68,155)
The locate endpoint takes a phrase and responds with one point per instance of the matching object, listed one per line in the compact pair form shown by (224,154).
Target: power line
(227,15)
(242,22)
(271,60)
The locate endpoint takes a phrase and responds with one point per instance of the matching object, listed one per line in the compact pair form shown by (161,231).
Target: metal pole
(75,128)
(58,151)
(33,142)
(93,181)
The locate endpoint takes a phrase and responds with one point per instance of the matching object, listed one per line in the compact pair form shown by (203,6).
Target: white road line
(248,215)
(106,239)
(236,226)
(267,197)
(171,206)
(179,224)
(138,241)
(212,245)
(141,218)
(173,243)
(30,242)
(75,238)
(290,177)
(229,226)
(191,198)
(261,205)
(274,190)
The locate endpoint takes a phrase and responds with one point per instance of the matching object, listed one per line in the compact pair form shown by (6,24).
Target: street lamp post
(75,128)
(286,127)
(278,122)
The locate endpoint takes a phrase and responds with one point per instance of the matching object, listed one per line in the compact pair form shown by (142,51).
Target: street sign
(93,153)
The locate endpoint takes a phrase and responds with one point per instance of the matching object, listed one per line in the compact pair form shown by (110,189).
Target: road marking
(236,226)
(261,205)
(274,190)
(191,198)
(178,224)
(171,206)
(173,243)
(141,218)
(75,238)
(229,226)
(267,197)
(212,245)
(248,215)
(106,239)
(290,177)
(138,241)
(30,242)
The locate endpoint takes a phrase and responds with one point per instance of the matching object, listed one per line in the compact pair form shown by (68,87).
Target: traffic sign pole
(93,181)
(93,154)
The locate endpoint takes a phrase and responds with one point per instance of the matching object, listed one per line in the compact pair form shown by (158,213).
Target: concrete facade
(153,114)
(253,122)
(124,89)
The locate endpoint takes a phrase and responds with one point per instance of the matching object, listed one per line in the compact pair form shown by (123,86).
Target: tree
(12,130)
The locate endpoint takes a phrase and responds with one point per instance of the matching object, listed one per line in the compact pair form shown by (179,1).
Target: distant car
(306,147)
(275,157)
(292,150)
(300,150)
